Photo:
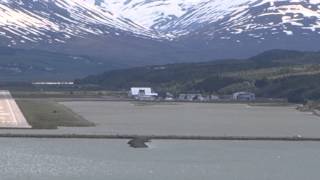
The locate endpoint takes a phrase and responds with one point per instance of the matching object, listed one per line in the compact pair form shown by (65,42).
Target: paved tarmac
(194,119)
(10,114)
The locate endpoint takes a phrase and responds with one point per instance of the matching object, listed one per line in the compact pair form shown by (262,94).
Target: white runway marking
(10,114)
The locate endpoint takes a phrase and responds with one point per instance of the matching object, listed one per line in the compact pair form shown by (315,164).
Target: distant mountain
(160,31)
(278,74)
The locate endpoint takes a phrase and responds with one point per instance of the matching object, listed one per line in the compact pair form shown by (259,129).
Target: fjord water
(68,159)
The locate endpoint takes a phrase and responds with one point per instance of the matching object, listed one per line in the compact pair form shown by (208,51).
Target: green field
(46,114)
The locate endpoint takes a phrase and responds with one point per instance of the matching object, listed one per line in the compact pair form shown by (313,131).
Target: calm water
(58,159)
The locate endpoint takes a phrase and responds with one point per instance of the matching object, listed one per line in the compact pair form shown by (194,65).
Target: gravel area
(188,119)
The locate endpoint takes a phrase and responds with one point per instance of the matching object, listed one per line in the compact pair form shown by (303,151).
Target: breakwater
(156,137)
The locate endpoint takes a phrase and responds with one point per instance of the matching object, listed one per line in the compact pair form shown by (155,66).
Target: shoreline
(316,112)
(156,137)
(101,99)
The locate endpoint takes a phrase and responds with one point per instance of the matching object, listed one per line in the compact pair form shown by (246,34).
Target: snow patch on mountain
(149,14)
(59,20)
(254,18)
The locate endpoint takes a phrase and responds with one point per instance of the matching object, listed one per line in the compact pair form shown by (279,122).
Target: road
(10,114)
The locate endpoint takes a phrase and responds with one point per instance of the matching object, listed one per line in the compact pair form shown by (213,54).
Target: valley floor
(182,119)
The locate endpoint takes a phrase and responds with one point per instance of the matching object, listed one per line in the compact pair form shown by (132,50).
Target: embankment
(153,137)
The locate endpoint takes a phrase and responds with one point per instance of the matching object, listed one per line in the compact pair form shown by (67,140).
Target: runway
(10,114)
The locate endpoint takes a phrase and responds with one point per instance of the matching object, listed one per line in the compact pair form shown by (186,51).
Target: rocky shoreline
(313,107)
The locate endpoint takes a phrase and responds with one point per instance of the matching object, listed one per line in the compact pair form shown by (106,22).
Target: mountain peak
(214,23)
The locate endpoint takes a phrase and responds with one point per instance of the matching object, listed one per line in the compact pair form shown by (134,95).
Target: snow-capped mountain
(150,14)
(176,18)
(214,23)
(254,19)
(60,20)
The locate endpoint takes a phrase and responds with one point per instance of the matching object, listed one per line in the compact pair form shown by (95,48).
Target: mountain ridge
(160,31)
(169,19)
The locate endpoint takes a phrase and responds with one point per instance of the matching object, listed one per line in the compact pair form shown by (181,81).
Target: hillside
(28,65)
(277,73)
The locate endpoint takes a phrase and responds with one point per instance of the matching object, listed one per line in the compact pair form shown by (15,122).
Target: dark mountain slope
(27,65)
(274,73)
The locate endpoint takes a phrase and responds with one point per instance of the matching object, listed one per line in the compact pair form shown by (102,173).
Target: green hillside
(27,65)
(278,73)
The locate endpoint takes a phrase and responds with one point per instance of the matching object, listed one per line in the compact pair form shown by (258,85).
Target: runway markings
(10,114)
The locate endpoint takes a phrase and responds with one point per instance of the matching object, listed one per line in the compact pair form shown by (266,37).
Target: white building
(244,96)
(142,92)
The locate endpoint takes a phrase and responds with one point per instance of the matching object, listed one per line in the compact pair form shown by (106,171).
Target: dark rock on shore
(311,106)
(139,142)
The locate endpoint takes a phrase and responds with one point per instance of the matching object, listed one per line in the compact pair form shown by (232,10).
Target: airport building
(143,93)
(191,97)
(244,96)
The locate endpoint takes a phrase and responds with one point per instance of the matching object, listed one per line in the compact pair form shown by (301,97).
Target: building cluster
(196,97)
(147,94)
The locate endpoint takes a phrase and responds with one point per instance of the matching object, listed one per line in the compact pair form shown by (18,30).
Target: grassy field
(56,94)
(45,114)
